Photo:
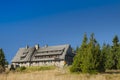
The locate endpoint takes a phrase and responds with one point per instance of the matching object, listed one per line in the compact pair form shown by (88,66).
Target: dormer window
(21,58)
(23,55)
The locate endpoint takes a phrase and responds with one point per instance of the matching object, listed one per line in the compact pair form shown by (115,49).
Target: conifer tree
(79,58)
(2,61)
(118,58)
(89,58)
(93,54)
(115,53)
(108,57)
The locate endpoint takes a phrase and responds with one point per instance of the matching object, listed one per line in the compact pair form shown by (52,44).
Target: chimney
(37,46)
(27,46)
(46,46)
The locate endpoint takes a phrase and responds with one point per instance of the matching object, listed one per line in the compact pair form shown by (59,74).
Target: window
(21,58)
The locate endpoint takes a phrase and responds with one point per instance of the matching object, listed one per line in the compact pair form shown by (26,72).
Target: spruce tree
(99,59)
(106,56)
(87,60)
(93,54)
(89,57)
(2,61)
(115,52)
(109,57)
(118,58)
(79,58)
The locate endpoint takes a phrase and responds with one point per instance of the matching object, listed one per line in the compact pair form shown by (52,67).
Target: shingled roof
(29,54)
(51,50)
(23,55)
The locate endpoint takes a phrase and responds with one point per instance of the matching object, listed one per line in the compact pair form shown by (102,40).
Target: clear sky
(55,22)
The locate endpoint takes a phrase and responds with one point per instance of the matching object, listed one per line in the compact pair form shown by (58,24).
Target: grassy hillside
(58,74)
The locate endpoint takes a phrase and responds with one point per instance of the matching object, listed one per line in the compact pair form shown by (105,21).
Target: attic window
(25,53)
(21,58)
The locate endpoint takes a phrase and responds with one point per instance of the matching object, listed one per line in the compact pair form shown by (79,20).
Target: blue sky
(55,22)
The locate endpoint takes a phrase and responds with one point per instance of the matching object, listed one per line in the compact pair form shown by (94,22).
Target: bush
(20,69)
(74,69)
(12,67)
(2,69)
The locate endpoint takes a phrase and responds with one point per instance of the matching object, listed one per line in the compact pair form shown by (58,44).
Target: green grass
(54,73)
(35,68)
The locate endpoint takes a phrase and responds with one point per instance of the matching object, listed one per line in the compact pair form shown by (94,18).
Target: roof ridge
(57,45)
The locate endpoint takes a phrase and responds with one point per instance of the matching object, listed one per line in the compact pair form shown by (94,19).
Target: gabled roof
(60,50)
(29,54)
(23,55)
